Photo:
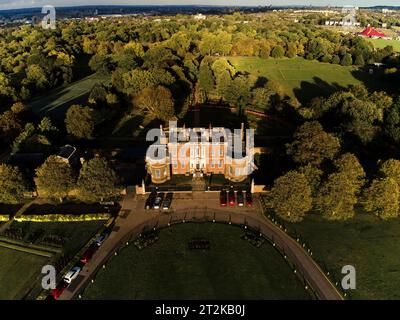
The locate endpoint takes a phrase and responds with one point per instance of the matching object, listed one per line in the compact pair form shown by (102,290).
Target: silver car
(158,201)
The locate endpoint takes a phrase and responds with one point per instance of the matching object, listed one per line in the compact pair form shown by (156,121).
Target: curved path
(133,219)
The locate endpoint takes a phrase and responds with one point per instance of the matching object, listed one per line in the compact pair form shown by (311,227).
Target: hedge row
(26,249)
(4,217)
(64,217)
(20,243)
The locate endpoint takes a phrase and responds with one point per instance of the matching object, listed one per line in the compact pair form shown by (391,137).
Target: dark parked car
(240,198)
(167,201)
(249,199)
(231,197)
(150,201)
(223,198)
(158,201)
(88,254)
(102,237)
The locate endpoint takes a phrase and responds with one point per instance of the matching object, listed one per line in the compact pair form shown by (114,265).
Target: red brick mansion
(199,152)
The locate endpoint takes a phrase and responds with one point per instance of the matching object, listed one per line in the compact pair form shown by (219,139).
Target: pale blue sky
(12,4)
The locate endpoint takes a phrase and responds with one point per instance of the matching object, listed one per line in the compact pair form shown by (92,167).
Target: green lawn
(231,269)
(381,43)
(18,272)
(313,78)
(371,245)
(56,102)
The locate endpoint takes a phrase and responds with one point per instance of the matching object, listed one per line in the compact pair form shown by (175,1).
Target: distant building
(198,152)
(200,16)
(342,23)
(68,154)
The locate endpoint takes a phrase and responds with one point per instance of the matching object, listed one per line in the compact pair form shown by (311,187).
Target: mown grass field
(18,271)
(381,43)
(299,77)
(231,269)
(56,102)
(371,245)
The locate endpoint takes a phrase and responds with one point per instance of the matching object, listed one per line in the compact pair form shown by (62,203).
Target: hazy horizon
(20,4)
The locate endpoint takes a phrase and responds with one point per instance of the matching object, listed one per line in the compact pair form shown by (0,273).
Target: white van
(71,274)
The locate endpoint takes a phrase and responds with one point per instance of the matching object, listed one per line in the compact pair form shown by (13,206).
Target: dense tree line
(56,179)
(331,182)
(33,59)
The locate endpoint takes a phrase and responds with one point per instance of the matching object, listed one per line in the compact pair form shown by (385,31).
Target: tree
(336,197)
(80,122)
(37,76)
(10,126)
(277,52)
(206,78)
(347,60)
(136,80)
(22,138)
(313,176)
(392,121)
(312,144)
(97,181)
(261,98)
(54,178)
(238,93)
(382,198)
(12,184)
(291,196)
(349,165)
(18,108)
(391,169)
(155,102)
(359,61)
(46,126)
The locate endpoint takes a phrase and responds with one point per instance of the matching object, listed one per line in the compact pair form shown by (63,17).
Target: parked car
(240,198)
(88,254)
(72,274)
(57,291)
(150,201)
(167,201)
(158,201)
(102,237)
(249,199)
(231,197)
(223,198)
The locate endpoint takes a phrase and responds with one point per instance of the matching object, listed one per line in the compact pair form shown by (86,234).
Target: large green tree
(336,197)
(382,198)
(349,165)
(12,184)
(391,169)
(97,181)
(54,178)
(291,196)
(312,144)
(80,122)
(155,102)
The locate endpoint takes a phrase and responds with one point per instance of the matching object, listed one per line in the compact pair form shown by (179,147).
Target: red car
(249,199)
(88,254)
(57,292)
(231,197)
(223,198)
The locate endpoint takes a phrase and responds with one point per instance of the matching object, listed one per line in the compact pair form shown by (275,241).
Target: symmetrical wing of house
(199,152)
